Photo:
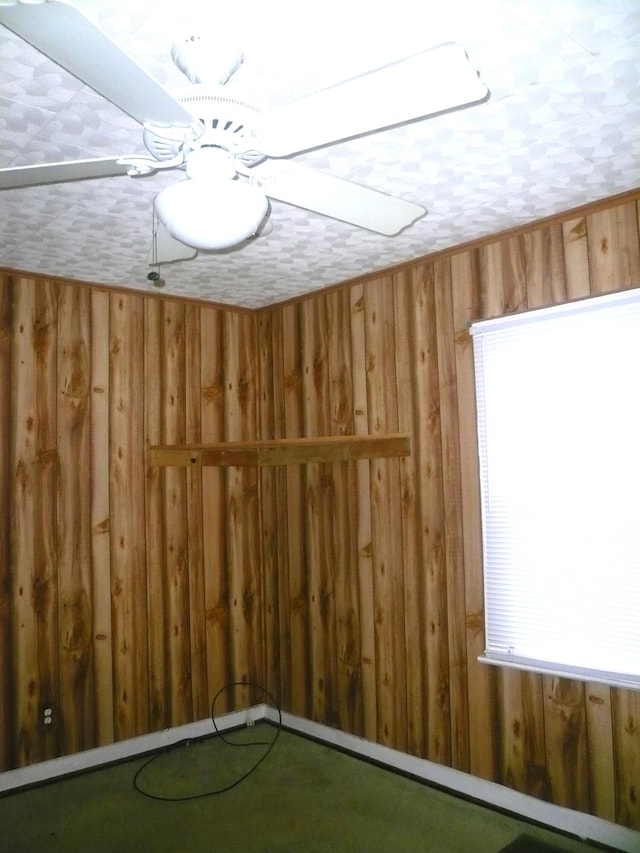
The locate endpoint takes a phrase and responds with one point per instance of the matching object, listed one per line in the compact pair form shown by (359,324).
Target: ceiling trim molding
(517,230)
(573,213)
(129,291)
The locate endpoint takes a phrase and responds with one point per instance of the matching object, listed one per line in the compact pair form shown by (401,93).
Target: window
(558,397)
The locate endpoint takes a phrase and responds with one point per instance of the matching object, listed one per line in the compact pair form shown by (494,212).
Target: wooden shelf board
(282,451)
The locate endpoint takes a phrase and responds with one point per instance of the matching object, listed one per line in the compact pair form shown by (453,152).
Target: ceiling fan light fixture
(211,215)
(210,163)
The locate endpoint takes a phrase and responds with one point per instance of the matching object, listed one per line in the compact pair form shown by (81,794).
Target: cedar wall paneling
(376,601)
(6,588)
(129,595)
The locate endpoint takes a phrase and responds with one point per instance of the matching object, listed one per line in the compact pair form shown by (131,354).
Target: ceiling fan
(234,156)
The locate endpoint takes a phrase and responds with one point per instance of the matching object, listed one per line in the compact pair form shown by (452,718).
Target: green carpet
(303,797)
(528,844)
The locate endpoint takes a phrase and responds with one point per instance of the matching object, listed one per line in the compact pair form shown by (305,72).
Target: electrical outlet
(46,715)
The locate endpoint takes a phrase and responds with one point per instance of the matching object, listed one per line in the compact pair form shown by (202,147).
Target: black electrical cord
(269,744)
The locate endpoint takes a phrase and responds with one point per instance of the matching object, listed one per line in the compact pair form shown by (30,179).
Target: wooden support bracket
(281,451)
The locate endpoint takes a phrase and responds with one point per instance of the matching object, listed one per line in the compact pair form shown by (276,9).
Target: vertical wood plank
(452,519)
(614,249)
(522,733)
(195,527)
(386,519)
(502,280)
(243,538)
(364,522)
(296,530)
(409,336)
(175,521)
(127,475)
(45,576)
(545,266)
(214,507)
(430,478)
(75,599)
(34,531)
(276,644)
(483,746)
(602,782)
(23,526)
(345,519)
(282,684)
(576,255)
(319,502)
(7,675)
(626,744)
(566,743)
(100,518)
(155,552)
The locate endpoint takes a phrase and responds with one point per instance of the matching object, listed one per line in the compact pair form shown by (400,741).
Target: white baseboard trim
(497,796)
(582,825)
(90,759)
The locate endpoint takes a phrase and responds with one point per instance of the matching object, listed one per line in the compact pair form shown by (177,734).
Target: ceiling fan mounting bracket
(212,59)
(224,121)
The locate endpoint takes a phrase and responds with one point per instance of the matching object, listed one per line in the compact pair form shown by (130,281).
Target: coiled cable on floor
(269,744)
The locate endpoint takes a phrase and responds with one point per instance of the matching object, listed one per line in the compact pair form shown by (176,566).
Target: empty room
(354,481)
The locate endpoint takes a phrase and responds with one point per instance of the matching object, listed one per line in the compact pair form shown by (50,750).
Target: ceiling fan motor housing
(228,123)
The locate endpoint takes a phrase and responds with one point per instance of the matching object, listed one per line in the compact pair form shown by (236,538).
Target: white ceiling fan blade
(53,173)
(435,80)
(166,248)
(71,40)
(307,188)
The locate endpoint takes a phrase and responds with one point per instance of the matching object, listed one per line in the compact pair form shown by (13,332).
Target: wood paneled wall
(129,595)
(374,569)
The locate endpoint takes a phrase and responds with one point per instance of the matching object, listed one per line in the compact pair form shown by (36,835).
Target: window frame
(506,580)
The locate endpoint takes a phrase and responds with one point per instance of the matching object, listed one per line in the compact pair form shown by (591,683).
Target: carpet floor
(298,796)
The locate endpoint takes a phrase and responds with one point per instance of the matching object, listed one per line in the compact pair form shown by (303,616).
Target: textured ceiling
(560,129)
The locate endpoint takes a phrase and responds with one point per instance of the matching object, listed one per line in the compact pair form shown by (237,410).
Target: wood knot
(578,231)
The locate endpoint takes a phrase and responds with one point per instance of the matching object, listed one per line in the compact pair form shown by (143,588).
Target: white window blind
(558,399)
